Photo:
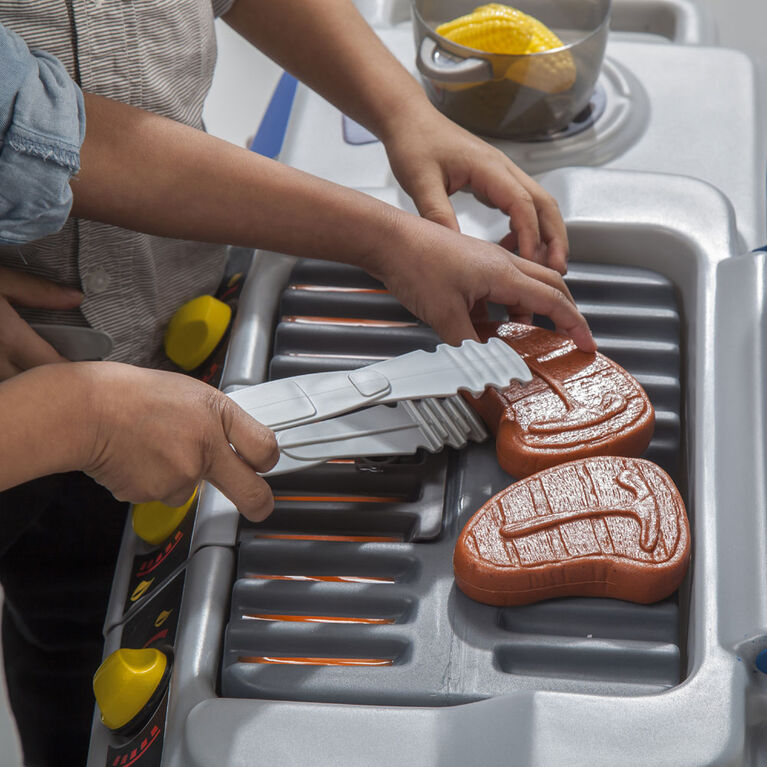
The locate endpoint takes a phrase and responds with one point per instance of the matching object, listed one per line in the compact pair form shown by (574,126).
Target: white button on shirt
(96,281)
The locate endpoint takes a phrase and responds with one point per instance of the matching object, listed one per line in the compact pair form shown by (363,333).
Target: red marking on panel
(136,754)
(153,564)
(159,635)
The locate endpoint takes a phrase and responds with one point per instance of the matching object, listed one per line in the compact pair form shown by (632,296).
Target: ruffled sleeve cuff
(42,127)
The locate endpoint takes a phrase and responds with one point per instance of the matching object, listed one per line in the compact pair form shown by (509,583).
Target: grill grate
(353,570)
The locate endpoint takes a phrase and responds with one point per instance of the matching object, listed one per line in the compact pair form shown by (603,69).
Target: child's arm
(144,434)
(328,45)
(144,172)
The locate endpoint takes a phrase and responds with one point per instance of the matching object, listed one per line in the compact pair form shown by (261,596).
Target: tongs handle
(380,431)
(472,366)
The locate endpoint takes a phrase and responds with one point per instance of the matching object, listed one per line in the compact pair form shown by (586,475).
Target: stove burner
(583,120)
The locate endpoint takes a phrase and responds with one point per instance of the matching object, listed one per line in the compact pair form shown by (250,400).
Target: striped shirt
(157,55)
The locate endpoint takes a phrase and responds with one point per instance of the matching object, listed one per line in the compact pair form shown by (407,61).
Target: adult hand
(20,347)
(432,158)
(157,435)
(443,277)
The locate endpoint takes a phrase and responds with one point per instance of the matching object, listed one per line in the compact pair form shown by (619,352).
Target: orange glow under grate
(315,619)
(350,322)
(327,578)
(340,498)
(313,537)
(311,661)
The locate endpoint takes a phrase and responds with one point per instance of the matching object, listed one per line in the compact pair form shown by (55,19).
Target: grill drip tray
(346,593)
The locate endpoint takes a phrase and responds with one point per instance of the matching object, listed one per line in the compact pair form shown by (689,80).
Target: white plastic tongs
(322,416)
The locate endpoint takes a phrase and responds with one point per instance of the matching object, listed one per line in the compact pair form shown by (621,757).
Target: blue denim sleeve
(42,126)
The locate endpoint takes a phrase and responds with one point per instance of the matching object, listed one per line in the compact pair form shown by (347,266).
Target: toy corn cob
(497,28)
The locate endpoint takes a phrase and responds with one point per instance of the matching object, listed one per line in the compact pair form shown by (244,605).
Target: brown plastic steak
(596,527)
(577,404)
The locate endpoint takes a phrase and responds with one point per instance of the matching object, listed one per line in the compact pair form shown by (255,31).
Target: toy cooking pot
(524,96)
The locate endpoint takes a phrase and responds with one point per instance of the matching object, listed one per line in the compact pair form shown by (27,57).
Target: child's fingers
(20,346)
(546,275)
(523,318)
(30,290)
(527,294)
(8,369)
(428,192)
(30,350)
(453,323)
(555,247)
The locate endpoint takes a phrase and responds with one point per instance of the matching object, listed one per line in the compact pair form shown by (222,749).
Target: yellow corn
(497,28)
(493,28)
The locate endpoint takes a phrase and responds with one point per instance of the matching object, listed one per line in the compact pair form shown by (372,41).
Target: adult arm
(328,45)
(145,172)
(144,434)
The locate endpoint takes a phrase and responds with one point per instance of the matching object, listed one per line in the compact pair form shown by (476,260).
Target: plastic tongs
(385,409)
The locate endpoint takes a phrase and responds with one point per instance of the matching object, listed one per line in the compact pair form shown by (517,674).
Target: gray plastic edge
(248,354)
(128,548)
(702,720)
(74,342)
(693,23)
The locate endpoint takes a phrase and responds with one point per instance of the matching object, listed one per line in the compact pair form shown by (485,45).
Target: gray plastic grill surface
(355,564)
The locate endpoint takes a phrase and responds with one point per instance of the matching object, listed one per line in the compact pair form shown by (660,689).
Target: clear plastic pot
(513,96)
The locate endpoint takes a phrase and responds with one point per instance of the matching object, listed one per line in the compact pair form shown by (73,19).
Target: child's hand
(442,276)
(157,435)
(432,157)
(20,347)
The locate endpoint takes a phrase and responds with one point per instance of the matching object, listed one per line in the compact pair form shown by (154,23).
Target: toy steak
(577,404)
(599,527)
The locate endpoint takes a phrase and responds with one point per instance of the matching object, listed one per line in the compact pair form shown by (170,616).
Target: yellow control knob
(126,682)
(195,330)
(153,521)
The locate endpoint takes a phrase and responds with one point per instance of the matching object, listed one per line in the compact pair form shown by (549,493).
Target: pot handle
(454,69)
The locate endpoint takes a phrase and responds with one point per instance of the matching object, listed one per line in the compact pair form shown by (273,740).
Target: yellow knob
(125,682)
(153,521)
(195,330)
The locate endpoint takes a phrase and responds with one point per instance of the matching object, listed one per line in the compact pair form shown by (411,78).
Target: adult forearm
(151,174)
(45,418)
(328,45)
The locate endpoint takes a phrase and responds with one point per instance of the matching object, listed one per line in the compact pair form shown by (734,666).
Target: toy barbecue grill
(317,610)
(333,633)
